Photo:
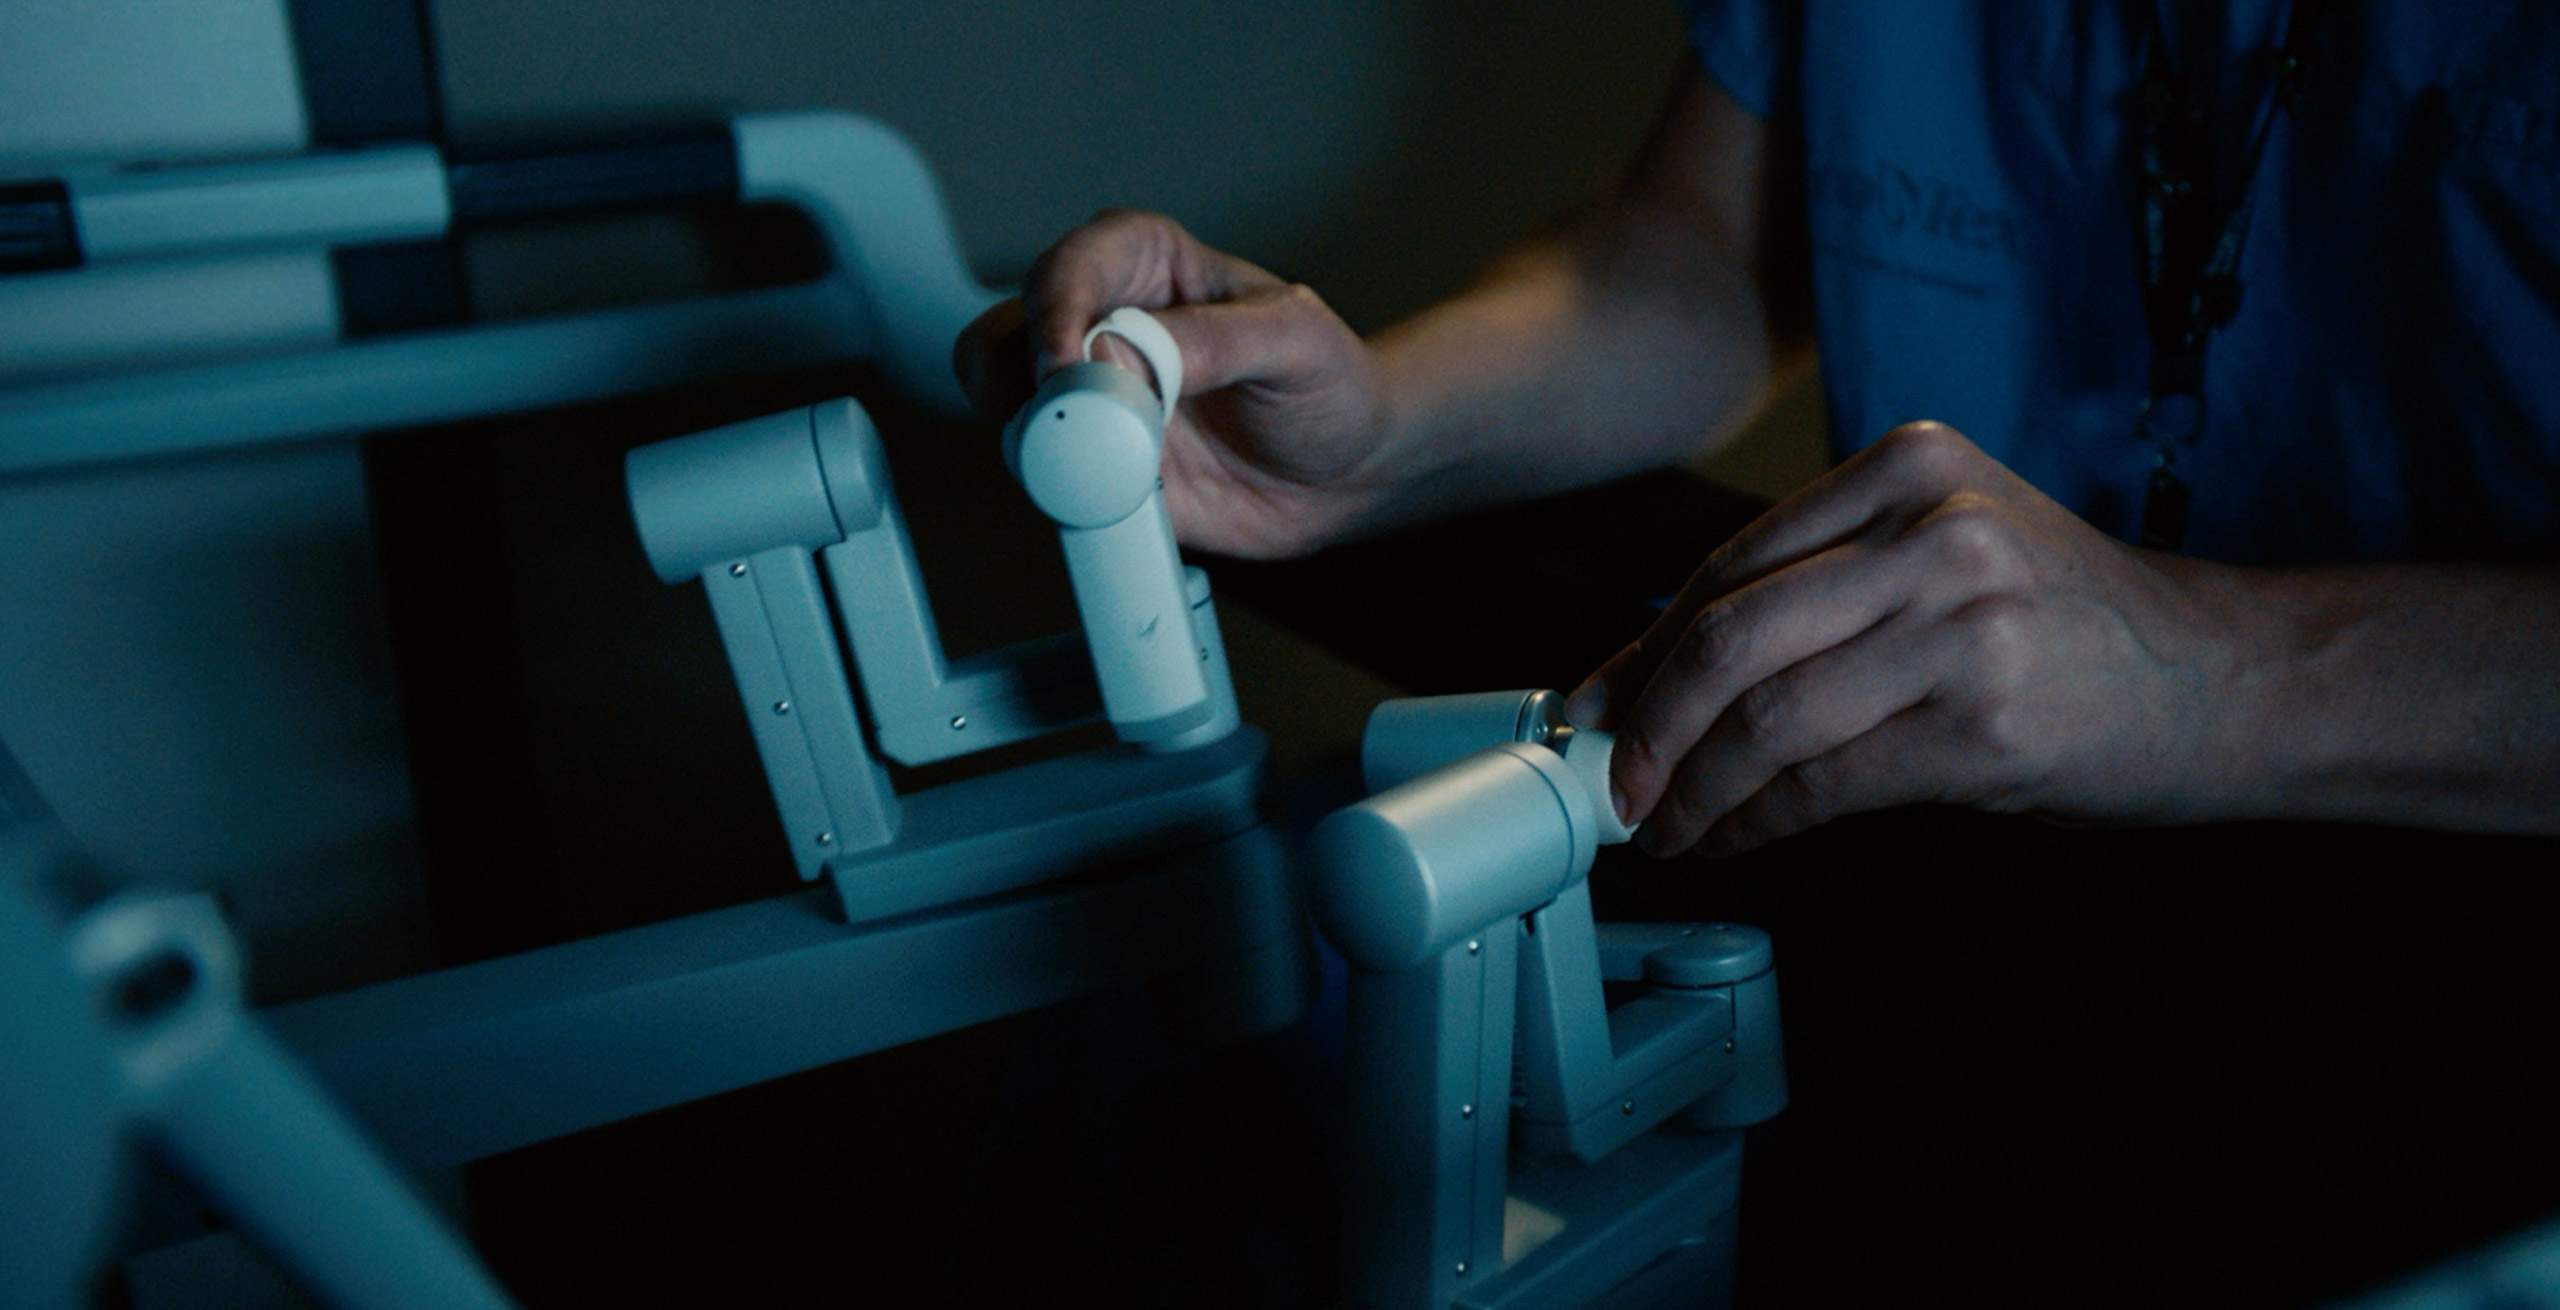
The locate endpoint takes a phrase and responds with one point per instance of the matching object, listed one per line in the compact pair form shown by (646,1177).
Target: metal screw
(782,707)
(737,570)
(1628,1108)
(826,839)
(1466,1112)
(1728,1046)
(959,721)
(1474,947)
(1462,1269)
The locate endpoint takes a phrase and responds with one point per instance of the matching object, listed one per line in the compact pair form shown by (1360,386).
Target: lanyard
(2191,250)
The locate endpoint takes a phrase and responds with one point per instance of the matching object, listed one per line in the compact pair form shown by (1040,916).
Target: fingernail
(1582,709)
(1618,804)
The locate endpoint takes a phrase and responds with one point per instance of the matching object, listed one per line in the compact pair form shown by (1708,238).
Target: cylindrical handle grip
(1408,738)
(1401,876)
(1137,620)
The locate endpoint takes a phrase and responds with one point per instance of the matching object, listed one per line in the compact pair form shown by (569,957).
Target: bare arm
(1651,322)
(2416,694)
(1922,625)
(1656,320)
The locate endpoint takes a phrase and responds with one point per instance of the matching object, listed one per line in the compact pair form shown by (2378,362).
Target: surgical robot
(1512,1139)
(1590,1159)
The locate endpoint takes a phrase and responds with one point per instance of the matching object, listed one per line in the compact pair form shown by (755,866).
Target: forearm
(1604,348)
(2425,695)
(1649,326)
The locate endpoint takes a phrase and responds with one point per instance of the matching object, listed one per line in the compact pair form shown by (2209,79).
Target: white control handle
(1088,449)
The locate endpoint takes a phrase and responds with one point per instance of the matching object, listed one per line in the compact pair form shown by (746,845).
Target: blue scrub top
(2390,386)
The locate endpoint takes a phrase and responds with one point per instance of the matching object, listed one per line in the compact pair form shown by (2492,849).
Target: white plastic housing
(1413,870)
(1088,446)
(1137,621)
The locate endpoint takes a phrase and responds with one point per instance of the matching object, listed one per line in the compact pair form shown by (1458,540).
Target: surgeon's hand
(1272,451)
(1922,625)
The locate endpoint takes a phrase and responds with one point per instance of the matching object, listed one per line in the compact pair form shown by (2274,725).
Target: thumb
(1281,336)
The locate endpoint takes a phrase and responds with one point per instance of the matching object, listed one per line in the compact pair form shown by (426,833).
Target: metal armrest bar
(448,1067)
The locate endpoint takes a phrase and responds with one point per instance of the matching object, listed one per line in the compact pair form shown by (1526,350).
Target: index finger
(1124,257)
(1873,491)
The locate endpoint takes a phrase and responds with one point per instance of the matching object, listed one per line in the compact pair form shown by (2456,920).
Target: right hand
(1273,449)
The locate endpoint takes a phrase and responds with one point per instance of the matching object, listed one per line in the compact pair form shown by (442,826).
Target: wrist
(1417,465)
(2243,757)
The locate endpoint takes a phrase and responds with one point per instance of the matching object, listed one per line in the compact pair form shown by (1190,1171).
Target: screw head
(782,707)
(1627,1108)
(959,721)
(826,839)
(1474,947)
(1728,1046)
(738,570)
(1462,1269)
(1467,1111)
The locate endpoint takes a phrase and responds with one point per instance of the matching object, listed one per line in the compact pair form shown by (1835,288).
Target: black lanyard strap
(2191,251)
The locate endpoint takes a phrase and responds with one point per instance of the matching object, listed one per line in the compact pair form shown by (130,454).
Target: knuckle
(1809,786)
(1768,712)
(1999,639)
(1298,304)
(2001,728)
(1716,639)
(1925,447)
(1114,239)
(1974,540)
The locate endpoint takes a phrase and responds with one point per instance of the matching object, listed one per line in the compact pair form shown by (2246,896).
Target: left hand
(1923,625)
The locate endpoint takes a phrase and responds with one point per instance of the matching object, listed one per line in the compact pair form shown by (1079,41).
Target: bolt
(782,707)
(1628,1108)
(737,570)
(1466,1112)
(1474,947)
(1728,1046)
(826,839)
(1462,1269)
(959,721)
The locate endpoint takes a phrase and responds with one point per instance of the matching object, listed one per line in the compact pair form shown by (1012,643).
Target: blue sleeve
(1749,48)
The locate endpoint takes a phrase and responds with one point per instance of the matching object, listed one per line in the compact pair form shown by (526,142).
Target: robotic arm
(792,525)
(1515,1141)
